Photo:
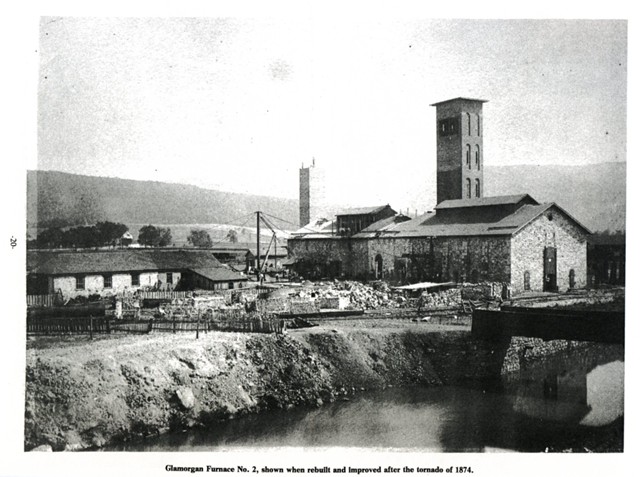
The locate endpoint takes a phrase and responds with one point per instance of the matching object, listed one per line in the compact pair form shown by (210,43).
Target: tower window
(469,123)
(477,187)
(448,127)
(477,157)
(478,125)
(468,189)
(468,156)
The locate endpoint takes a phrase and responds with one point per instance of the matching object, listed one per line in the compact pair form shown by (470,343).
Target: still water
(552,402)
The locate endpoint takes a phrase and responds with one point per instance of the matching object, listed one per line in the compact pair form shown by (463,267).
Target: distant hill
(594,194)
(61,199)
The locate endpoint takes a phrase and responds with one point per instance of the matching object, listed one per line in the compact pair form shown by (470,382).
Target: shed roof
(219,274)
(388,225)
(486,201)
(363,210)
(126,260)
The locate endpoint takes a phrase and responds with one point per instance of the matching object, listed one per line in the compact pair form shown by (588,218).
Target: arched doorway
(378,267)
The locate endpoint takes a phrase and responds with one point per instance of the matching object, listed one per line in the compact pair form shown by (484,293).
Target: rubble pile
(446,298)
(350,294)
(482,291)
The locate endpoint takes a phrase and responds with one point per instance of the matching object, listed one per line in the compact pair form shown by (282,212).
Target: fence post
(108,326)
(174,323)
(198,327)
(90,327)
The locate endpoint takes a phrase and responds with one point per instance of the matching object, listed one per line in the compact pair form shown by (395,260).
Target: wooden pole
(90,327)
(258,246)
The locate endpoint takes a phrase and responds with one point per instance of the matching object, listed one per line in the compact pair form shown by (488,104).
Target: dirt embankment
(91,394)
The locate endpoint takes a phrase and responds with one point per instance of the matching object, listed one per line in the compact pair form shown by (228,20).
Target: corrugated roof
(114,261)
(485,201)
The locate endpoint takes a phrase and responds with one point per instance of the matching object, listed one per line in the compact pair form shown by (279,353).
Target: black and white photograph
(300,240)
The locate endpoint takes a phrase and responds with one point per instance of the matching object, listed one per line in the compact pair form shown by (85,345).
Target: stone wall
(405,260)
(316,256)
(472,259)
(527,252)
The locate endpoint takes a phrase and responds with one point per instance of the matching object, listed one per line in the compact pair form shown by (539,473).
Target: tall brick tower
(460,157)
(311,192)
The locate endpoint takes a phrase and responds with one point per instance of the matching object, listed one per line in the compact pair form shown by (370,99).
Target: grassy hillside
(61,199)
(595,194)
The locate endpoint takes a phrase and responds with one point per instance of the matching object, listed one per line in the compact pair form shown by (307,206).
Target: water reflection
(549,402)
(606,394)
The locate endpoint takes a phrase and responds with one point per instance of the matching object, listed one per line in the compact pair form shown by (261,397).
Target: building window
(135,280)
(468,192)
(478,125)
(572,278)
(468,156)
(169,278)
(477,157)
(230,285)
(107,281)
(527,281)
(477,187)
(80,282)
(469,123)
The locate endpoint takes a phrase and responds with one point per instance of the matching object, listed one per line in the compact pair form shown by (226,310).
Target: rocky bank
(94,393)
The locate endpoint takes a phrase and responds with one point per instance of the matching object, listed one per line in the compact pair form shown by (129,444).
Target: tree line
(109,234)
(102,234)
(86,236)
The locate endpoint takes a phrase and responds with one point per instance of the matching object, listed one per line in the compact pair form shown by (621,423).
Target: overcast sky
(239,104)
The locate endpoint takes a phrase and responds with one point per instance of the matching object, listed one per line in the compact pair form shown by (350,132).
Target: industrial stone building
(467,238)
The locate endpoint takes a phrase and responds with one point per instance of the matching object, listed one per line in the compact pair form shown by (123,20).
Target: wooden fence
(90,325)
(42,300)
(249,325)
(55,326)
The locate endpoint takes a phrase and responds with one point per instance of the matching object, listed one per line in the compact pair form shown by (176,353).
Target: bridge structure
(549,324)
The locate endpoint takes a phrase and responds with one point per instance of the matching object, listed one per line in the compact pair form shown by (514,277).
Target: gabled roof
(120,261)
(363,210)
(435,226)
(486,201)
